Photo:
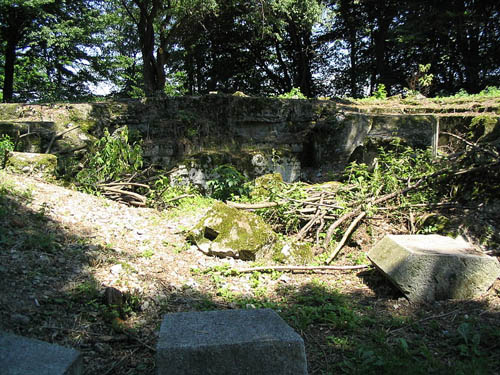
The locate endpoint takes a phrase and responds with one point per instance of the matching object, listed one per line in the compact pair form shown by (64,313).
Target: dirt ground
(60,249)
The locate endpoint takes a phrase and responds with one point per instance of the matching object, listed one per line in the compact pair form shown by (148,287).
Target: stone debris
(24,356)
(231,342)
(432,267)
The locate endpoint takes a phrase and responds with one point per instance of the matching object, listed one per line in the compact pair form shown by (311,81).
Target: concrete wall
(299,138)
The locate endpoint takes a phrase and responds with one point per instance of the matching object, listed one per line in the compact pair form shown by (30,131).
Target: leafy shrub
(110,158)
(165,193)
(294,93)
(228,182)
(381,92)
(394,168)
(5,146)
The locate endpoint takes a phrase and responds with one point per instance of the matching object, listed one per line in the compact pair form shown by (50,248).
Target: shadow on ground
(49,292)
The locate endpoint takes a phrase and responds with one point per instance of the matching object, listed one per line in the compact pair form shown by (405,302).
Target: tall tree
(47,54)
(157,23)
(16,20)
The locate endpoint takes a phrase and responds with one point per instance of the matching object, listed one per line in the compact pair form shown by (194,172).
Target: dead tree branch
(345,237)
(59,135)
(302,268)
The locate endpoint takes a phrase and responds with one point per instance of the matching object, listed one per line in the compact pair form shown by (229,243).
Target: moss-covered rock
(265,185)
(227,232)
(292,252)
(40,165)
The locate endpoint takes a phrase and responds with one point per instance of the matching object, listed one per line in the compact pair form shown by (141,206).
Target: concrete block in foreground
(24,356)
(228,342)
(433,267)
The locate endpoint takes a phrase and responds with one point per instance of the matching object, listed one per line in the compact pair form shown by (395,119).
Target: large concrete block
(433,267)
(23,356)
(229,342)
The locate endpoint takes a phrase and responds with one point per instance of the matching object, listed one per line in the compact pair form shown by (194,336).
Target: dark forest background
(56,50)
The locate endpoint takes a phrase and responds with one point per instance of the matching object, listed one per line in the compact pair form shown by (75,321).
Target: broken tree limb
(358,210)
(312,203)
(140,198)
(58,135)
(302,268)
(474,145)
(311,222)
(114,184)
(346,236)
(253,206)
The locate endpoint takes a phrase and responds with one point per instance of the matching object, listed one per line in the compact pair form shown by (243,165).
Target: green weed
(110,158)
(147,253)
(227,183)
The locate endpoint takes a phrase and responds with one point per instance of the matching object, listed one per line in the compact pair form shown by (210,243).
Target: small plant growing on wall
(421,80)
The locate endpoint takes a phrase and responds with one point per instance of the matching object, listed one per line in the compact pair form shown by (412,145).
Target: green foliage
(283,217)
(111,158)
(171,193)
(52,40)
(175,85)
(394,167)
(317,306)
(6,145)
(488,92)
(421,80)
(381,92)
(227,183)
(294,93)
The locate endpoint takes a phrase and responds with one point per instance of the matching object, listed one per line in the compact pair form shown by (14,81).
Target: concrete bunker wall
(299,138)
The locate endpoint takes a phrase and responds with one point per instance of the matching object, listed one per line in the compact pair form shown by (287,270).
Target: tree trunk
(352,57)
(10,59)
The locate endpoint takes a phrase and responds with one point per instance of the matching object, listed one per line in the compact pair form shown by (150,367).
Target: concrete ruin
(231,342)
(433,267)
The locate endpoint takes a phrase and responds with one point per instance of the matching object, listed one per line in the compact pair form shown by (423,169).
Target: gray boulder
(433,267)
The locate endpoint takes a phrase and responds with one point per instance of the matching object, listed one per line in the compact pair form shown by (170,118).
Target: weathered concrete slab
(41,165)
(227,232)
(433,267)
(24,356)
(229,342)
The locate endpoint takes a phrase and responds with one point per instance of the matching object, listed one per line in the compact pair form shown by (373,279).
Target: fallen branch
(140,199)
(357,211)
(311,222)
(58,135)
(302,268)
(345,237)
(113,184)
(253,206)
(313,203)
(179,198)
(474,145)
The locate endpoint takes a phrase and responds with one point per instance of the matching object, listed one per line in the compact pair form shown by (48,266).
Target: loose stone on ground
(433,267)
(232,342)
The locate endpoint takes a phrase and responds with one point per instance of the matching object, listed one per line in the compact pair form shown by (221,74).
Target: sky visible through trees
(57,50)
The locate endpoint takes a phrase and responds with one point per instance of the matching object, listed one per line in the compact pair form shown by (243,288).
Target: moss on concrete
(288,251)
(9,111)
(225,231)
(40,165)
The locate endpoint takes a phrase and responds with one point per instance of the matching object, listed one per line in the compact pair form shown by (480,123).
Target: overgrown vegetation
(6,145)
(351,323)
(111,158)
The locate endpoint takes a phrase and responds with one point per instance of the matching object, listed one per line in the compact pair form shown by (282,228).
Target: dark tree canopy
(57,49)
